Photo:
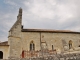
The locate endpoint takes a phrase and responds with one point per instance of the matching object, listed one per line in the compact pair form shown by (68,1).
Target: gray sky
(40,14)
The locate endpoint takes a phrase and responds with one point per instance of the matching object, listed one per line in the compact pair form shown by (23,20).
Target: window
(70,44)
(52,47)
(32,46)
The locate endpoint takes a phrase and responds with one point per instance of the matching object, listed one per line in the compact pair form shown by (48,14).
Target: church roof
(4,43)
(46,30)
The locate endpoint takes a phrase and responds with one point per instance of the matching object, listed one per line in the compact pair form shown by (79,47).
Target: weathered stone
(57,42)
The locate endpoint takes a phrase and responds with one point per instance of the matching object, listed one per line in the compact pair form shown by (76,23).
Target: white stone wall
(5,51)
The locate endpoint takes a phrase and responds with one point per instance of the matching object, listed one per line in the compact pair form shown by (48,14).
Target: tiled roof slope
(4,43)
(46,30)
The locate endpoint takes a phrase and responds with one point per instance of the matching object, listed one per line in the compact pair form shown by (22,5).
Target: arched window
(70,44)
(1,55)
(32,46)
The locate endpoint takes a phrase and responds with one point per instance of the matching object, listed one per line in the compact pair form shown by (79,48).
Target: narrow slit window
(52,47)
(70,44)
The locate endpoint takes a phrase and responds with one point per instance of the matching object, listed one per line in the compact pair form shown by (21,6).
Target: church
(26,43)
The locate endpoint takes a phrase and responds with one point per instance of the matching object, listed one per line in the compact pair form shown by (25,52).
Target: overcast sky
(40,14)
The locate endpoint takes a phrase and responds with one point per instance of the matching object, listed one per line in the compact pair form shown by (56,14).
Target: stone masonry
(40,40)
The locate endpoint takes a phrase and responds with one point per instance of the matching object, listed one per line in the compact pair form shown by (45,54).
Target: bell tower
(14,38)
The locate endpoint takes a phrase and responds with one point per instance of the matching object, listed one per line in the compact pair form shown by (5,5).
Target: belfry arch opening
(1,55)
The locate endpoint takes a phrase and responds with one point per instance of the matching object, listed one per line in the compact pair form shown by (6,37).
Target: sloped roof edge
(47,30)
(4,43)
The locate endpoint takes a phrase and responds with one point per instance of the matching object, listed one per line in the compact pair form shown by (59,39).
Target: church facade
(34,42)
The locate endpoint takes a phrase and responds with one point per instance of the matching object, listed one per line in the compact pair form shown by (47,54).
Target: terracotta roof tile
(46,30)
(4,43)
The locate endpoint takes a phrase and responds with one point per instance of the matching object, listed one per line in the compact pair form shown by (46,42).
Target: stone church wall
(54,39)
(27,37)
